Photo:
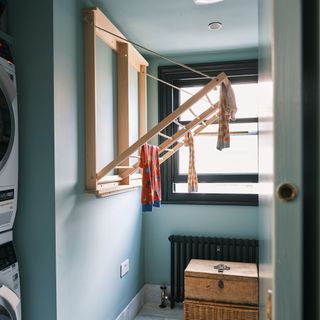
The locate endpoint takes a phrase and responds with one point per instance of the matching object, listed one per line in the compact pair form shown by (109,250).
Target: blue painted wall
(31,24)
(93,236)
(106,92)
(70,244)
(224,221)
(220,221)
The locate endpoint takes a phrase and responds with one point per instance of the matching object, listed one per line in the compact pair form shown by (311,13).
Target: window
(229,176)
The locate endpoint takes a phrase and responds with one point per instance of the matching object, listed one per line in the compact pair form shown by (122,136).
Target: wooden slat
(180,144)
(142,100)
(237,133)
(167,155)
(91,16)
(194,114)
(90,100)
(108,180)
(164,135)
(94,19)
(123,105)
(188,127)
(178,135)
(135,58)
(115,190)
(130,171)
(163,124)
(142,81)
(178,123)
(135,181)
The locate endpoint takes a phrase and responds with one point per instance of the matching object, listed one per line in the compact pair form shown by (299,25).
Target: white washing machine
(10,304)
(8,144)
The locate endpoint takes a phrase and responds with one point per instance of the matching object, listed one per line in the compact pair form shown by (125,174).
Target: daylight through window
(229,176)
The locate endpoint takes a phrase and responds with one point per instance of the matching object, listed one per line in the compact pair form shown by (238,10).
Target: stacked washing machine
(10,305)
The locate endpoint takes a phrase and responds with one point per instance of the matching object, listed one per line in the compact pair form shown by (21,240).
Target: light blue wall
(222,221)
(93,235)
(70,244)
(31,25)
(93,238)
(106,89)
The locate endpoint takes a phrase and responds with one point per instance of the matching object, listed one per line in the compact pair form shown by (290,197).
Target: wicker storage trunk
(213,294)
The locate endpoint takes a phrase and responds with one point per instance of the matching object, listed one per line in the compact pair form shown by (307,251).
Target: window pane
(229,188)
(246,97)
(229,176)
(237,128)
(241,157)
(198,107)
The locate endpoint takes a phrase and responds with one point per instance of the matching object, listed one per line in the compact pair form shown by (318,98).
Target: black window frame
(244,71)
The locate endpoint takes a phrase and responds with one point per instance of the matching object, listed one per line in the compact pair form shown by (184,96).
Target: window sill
(115,190)
(212,199)
(111,186)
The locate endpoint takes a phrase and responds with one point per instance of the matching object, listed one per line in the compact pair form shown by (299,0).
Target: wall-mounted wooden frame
(94,24)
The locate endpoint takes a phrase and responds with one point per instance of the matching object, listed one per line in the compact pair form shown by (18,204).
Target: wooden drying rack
(99,181)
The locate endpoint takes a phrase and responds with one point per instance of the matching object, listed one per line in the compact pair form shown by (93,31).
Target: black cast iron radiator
(185,248)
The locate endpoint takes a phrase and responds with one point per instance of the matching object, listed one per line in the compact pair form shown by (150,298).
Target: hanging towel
(228,109)
(192,175)
(231,105)
(151,182)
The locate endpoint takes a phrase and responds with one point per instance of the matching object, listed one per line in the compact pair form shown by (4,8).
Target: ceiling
(177,27)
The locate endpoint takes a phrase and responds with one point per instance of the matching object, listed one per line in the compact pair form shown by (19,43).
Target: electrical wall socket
(124,268)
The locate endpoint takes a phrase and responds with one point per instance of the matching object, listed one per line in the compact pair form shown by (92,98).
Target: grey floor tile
(151,311)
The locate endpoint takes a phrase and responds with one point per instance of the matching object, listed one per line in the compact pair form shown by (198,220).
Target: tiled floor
(151,311)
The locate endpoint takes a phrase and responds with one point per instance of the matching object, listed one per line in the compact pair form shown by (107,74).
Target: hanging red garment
(151,181)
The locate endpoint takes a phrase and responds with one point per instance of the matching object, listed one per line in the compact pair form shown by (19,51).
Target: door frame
(310,122)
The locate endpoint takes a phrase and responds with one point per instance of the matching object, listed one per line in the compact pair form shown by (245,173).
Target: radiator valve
(164,296)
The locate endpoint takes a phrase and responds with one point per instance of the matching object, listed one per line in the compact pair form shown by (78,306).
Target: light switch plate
(124,268)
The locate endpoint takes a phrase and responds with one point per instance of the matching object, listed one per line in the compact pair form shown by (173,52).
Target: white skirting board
(148,293)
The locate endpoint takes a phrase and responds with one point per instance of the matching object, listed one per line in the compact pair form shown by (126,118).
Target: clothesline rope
(175,87)
(156,53)
(165,58)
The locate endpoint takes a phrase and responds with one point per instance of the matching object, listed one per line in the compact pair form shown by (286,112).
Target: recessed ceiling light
(215,25)
(203,2)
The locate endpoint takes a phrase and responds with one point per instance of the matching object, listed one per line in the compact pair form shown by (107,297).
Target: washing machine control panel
(6,195)
(7,255)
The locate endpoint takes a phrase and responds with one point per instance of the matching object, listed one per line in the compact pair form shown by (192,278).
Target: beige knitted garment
(228,108)
(192,175)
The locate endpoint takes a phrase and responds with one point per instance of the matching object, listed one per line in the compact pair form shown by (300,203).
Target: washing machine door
(9,305)
(7,130)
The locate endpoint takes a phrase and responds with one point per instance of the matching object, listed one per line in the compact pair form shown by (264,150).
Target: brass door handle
(269,305)
(287,191)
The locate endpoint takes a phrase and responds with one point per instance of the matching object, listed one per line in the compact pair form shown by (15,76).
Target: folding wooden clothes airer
(173,143)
